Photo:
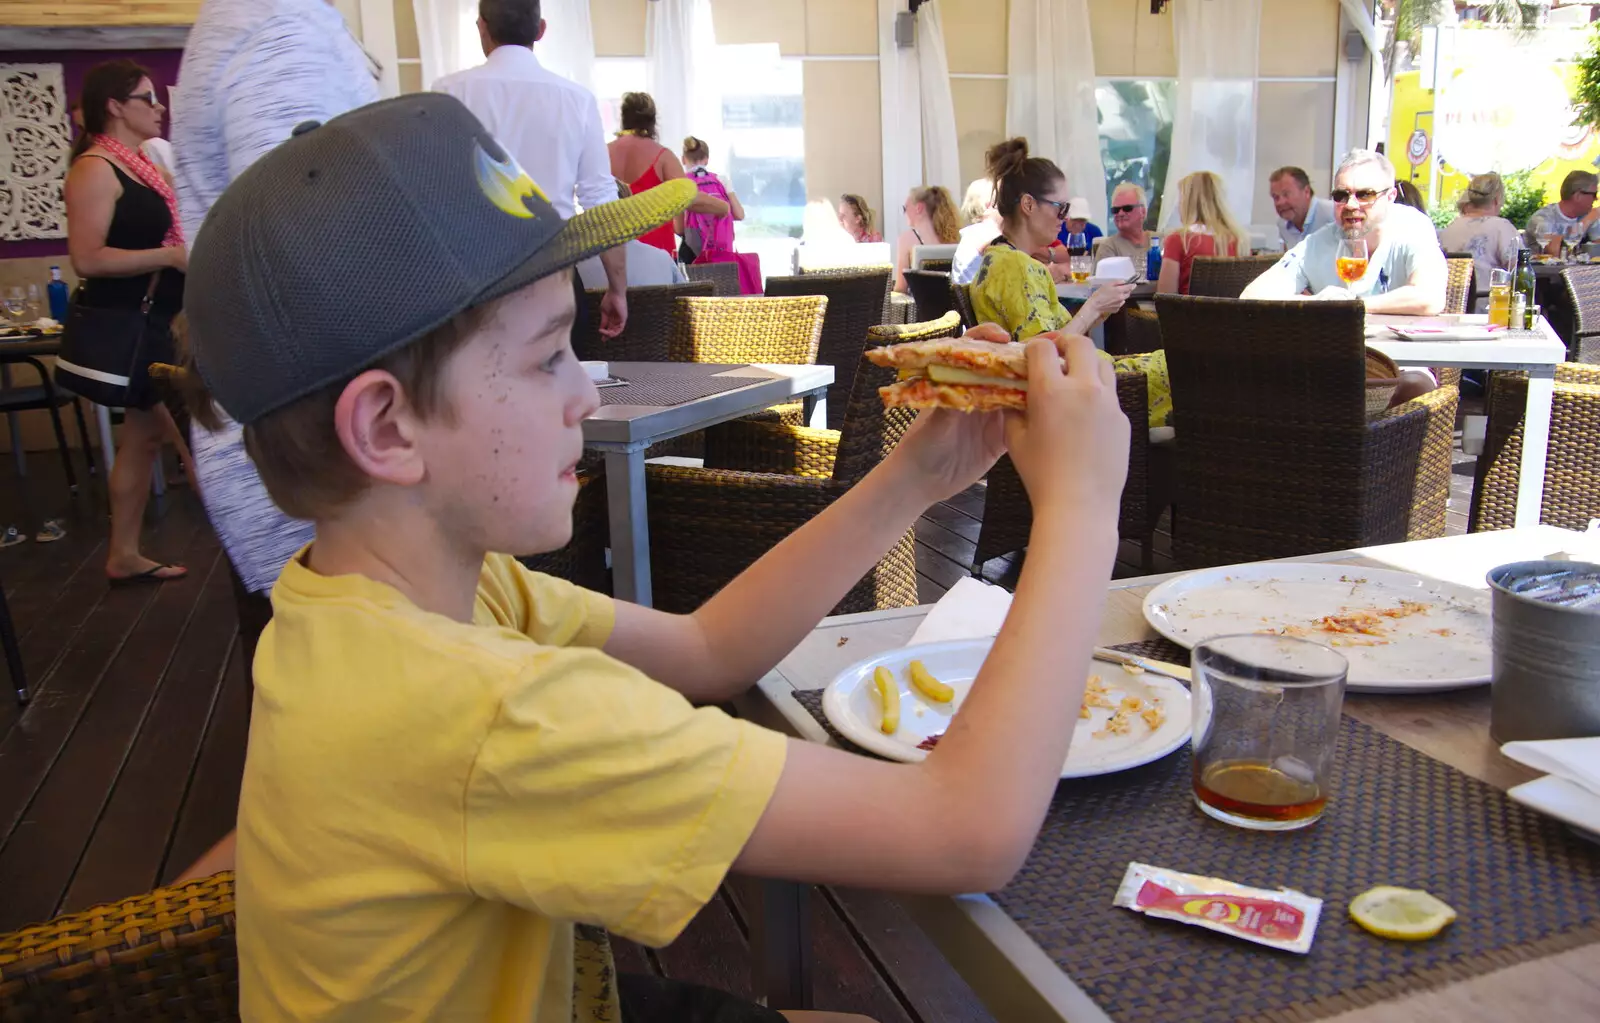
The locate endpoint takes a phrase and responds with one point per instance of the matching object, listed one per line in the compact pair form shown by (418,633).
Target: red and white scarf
(150,176)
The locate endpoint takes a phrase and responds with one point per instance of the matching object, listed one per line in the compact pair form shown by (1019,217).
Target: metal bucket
(1546,651)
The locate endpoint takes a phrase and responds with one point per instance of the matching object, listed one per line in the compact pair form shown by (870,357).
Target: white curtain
(1214,124)
(941,154)
(1050,92)
(568,44)
(447,35)
(680,49)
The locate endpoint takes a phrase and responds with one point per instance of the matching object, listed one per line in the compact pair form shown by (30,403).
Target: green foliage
(1586,90)
(1524,196)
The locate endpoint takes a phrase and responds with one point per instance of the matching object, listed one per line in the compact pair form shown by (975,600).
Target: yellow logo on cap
(506,185)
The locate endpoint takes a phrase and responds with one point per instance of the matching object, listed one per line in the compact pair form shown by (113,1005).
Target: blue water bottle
(57,289)
(1152,262)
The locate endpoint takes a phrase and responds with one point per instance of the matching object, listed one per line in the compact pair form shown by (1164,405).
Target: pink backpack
(716,233)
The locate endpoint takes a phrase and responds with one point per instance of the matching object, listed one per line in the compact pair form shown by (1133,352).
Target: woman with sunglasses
(123,234)
(1015,290)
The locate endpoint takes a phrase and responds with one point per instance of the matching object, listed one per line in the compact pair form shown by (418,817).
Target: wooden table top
(1451,727)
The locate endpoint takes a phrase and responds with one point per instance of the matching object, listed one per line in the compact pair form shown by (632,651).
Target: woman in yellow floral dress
(1017,292)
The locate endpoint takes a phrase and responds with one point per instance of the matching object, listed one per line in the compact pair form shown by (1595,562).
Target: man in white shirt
(549,124)
(1405,271)
(1300,212)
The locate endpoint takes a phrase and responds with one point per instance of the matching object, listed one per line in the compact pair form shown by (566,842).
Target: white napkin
(1113,268)
(1574,760)
(972,609)
(1582,548)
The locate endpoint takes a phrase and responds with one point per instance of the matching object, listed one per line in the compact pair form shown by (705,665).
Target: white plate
(1411,658)
(1566,801)
(850,704)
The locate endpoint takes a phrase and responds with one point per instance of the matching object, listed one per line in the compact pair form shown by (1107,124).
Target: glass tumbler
(1266,720)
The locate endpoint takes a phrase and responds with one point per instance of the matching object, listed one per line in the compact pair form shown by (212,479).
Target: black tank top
(139,221)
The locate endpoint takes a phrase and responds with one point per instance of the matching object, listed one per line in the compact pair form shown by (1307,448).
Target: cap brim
(595,230)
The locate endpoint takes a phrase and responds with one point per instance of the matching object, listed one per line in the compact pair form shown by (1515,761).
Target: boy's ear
(376,424)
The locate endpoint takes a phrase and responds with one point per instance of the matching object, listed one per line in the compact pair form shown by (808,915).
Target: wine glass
(1543,236)
(16,304)
(32,308)
(1351,262)
(1572,237)
(1078,256)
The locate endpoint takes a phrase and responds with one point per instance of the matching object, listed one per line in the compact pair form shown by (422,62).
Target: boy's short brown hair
(296,450)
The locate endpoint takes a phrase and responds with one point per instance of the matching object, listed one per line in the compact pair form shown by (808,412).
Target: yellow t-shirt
(429,806)
(1015,291)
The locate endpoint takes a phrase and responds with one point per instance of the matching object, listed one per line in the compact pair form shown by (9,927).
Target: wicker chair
(855,302)
(938,265)
(1583,285)
(786,331)
(1008,515)
(1572,473)
(931,292)
(1458,283)
(649,328)
(1226,276)
(1132,331)
(963,297)
(165,955)
(1277,455)
(763,481)
(724,277)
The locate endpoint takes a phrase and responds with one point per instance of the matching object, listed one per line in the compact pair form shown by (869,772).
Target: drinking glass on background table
(1543,236)
(1079,260)
(1351,262)
(1500,297)
(1570,240)
(16,304)
(1266,719)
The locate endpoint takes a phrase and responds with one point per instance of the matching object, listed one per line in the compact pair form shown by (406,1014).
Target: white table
(1015,978)
(1538,356)
(623,432)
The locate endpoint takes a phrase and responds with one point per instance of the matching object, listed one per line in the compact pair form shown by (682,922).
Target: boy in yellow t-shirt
(458,769)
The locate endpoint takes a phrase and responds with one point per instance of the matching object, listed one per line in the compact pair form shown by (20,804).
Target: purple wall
(163,65)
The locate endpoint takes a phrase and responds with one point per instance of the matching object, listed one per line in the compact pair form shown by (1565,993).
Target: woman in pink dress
(644,163)
(855,216)
(1208,230)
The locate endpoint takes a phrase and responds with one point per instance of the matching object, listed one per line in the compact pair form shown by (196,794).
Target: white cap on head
(1077,208)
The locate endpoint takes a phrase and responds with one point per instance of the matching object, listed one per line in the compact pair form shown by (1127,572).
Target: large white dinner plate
(1445,648)
(851,706)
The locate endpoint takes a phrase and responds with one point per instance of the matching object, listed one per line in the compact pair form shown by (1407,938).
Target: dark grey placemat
(667,384)
(1523,884)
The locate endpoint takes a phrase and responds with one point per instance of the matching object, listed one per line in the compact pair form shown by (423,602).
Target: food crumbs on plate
(1443,632)
(1283,919)
(842,641)
(1132,669)
(1132,703)
(1154,717)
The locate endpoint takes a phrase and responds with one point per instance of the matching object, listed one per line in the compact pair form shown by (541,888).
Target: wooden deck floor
(126,765)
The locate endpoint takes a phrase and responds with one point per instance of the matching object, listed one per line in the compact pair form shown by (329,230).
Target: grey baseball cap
(356,237)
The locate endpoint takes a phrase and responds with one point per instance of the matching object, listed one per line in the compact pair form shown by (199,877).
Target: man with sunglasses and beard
(1405,271)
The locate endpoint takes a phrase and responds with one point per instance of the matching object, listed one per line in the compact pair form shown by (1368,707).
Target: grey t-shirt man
(1408,243)
(1550,218)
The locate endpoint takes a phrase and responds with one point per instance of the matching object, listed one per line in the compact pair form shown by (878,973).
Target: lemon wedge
(1404,914)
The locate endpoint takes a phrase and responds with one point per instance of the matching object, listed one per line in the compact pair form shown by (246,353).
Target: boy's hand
(1071,445)
(946,451)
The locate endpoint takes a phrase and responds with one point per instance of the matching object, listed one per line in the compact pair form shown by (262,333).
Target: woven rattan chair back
(931,292)
(963,297)
(938,265)
(724,277)
(786,331)
(871,431)
(1583,285)
(165,955)
(1572,469)
(1278,458)
(1458,283)
(1226,276)
(1132,331)
(855,303)
(648,333)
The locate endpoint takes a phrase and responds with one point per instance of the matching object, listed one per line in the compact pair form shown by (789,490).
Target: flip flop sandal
(149,575)
(50,532)
(11,537)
